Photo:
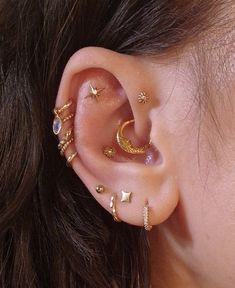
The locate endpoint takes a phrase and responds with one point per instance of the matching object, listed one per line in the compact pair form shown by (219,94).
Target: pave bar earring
(126,144)
(147,226)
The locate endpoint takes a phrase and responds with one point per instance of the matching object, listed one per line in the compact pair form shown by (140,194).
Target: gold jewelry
(126,196)
(65,138)
(99,189)
(143,97)
(109,151)
(65,146)
(126,144)
(147,226)
(94,92)
(113,207)
(70,158)
(58,120)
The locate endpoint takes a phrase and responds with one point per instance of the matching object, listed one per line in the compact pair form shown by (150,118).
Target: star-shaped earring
(94,92)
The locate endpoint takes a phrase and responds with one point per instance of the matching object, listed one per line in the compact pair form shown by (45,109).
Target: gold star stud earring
(94,92)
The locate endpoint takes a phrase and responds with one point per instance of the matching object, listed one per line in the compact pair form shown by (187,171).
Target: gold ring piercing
(58,120)
(126,144)
(65,138)
(113,207)
(147,226)
(65,146)
(70,158)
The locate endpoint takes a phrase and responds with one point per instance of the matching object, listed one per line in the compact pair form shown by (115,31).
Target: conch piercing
(126,144)
(143,97)
(113,207)
(94,92)
(147,226)
(109,151)
(58,120)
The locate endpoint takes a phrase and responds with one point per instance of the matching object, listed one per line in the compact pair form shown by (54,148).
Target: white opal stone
(57,125)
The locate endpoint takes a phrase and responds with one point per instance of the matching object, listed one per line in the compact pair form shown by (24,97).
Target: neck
(167,267)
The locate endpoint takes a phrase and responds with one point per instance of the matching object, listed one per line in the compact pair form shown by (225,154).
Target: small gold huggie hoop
(65,146)
(113,207)
(126,144)
(70,158)
(58,120)
(147,226)
(65,138)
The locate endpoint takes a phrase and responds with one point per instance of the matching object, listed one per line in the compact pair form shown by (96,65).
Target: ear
(118,79)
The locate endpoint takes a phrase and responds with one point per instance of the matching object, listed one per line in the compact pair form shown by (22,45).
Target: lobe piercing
(99,189)
(94,92)
(143,97)
(147,226)
(126,196)
(126,144)
(109,151)
(58,120)
(113,207)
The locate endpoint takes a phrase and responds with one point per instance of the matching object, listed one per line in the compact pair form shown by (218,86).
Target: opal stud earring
(143,98)
(126,196)
(99,189)
(94,92)
(126,144)
(109,151)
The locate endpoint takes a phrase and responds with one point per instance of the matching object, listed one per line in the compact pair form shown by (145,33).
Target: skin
(187,176)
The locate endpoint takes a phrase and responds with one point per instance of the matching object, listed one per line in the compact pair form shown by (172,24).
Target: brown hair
(53,233)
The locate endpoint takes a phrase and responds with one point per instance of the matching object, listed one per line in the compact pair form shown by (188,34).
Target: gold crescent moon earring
(126,144)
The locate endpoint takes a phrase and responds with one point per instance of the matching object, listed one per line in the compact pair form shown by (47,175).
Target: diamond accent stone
(57,125)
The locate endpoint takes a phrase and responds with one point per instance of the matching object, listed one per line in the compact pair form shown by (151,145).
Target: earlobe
(109,147)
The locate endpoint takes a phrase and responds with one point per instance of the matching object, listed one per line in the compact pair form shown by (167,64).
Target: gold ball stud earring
(126,144)
(99,189)
(143,97)
(109,151)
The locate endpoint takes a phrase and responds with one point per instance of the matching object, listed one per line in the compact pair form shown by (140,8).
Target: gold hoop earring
(126,144)
(147,226)
(113,207)
(58,120)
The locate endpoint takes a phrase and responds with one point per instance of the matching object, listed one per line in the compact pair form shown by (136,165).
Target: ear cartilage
(126,196)
(125,144)
(113,208)
(59,120)
(94,92)
(143,97)
(109,151)
(70,158)
(100,189)
(147,226)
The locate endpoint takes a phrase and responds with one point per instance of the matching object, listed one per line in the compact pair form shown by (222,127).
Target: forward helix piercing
(126,144)
(147,226)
